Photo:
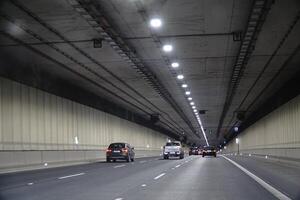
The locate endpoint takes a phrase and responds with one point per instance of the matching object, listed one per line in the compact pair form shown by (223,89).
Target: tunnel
(149,99)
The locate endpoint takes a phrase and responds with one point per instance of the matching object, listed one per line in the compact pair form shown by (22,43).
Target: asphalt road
(193,178)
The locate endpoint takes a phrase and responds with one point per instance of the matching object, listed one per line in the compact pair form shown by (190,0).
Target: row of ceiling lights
(157,23)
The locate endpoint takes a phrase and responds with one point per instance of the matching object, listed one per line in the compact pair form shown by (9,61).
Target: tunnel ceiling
(233,54)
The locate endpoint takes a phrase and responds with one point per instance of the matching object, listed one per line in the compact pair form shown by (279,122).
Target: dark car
(209,151)
(194,151)
(120,151)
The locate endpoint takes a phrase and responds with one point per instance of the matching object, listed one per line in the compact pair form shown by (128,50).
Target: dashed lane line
(72,175)
(118,166)
(159,176)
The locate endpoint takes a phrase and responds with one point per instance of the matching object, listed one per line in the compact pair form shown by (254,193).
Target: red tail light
(124,150)
(108,150)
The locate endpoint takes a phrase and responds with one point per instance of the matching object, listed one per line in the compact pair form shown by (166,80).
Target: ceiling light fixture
(188,92)
(155,22)
(192,103)
(194,107)
(190,98)
(180,77)
(184,85)
(175,64)
(167,47)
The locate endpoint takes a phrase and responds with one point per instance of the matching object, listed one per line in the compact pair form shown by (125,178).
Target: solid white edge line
(118,166)
(177,166)
(159,176)
(72,175)
(268,187)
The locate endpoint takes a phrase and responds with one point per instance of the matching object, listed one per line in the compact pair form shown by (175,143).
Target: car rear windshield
(172,144)
(117,145)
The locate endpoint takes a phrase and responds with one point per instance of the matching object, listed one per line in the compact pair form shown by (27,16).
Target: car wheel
(114,160)
(203,155)
(181,157)
(107,160)
(132,159)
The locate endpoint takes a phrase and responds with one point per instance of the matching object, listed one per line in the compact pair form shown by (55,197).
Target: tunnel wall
(37,127)
(276,135)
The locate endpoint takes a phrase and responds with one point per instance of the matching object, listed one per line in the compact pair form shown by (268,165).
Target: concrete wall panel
(277,134)
(38,127)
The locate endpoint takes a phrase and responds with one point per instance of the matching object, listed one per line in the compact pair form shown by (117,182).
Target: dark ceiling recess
(91,11)
(240,115)
(259,11)
(154,118)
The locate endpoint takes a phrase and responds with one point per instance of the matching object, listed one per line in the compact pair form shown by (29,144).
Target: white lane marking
(30,183)
(159,176)
(143,161)
(268,187)
(173,168)
(177,166)
(144,185)
(119,199)
(186,161)
(118,166)
(72,175)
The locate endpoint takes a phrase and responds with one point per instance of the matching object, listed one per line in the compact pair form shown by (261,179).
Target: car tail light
(108,150)
(124,150)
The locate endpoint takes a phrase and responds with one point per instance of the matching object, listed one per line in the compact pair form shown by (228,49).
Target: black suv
(120,151)
(209,151)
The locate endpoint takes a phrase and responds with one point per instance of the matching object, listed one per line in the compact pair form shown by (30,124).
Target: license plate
(208,150)
(172,152)
(116,151)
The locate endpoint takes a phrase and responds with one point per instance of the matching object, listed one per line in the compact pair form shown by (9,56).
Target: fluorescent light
(167,47)
(190,98)
(175,64)
(180,76)
(195,110)
(237,140)
(192,103)
(193,107)
(155,22)
(188,92)
(184,85)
